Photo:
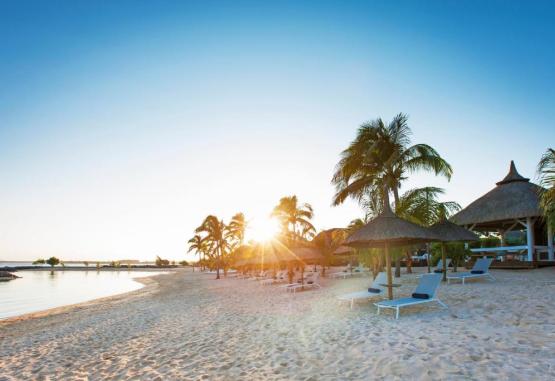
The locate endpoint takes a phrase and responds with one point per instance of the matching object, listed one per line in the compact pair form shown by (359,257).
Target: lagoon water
(41,290)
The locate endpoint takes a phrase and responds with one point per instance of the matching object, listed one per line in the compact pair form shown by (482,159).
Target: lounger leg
(463,280)
(491,276)
(378,310)
(443,304)
(397,313)
(352,301)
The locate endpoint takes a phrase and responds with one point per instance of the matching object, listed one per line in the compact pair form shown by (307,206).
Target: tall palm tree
(215,231)
(199,246)
(236,229)
(294,218)
(546,172)
(379,160)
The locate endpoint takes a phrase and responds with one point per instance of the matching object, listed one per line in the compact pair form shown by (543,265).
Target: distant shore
(90,268)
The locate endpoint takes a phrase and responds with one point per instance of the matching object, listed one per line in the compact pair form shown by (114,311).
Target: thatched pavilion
(513,205)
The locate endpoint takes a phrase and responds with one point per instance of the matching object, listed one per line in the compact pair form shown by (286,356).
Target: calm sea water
(41,290)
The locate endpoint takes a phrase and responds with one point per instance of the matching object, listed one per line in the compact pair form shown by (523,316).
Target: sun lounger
(281,276)
(425,293)
(360,270)
(375,290)
(439,267)
(479,270)
(342,274)
(310,281)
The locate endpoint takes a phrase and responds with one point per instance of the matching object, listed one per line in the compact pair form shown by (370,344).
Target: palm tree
(199,246)
(421,206)
(546,172)
(327,242)
(379,159)
(215,231)
(295,219)
(236,229)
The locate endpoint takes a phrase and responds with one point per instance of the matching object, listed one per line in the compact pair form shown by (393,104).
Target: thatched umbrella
(446,231)
(389,230)
(346,251)
(301,255)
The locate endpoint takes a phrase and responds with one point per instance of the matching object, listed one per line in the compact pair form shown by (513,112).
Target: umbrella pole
(429,259)
(389,275)
(443,261)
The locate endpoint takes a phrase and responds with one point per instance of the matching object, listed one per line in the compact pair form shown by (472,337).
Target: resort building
(513,205)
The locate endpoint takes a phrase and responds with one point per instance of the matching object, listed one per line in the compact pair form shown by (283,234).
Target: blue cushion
(374,290)
(417,295)
(476,272)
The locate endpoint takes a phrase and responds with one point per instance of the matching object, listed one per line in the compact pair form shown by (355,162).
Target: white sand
(185,326)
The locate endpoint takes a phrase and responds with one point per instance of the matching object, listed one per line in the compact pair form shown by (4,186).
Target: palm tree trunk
(388,267)
(443,259)
(398,266)
(219,254)
(409,262)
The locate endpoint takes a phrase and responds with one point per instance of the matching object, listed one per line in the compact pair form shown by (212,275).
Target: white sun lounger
(310,281)
(427,285)
(479,270)
(346,273)
(281,276)
(365,294)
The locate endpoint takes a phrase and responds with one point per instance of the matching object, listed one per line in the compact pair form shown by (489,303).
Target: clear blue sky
(122,124)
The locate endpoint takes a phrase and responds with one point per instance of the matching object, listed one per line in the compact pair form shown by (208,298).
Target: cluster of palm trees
(374,166)
(215,241)
(295,221)
(219,244)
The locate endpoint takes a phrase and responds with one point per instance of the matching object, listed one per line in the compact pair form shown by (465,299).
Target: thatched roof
(387,227)
(307,253)
(514,197)
(449,232)
(343,250)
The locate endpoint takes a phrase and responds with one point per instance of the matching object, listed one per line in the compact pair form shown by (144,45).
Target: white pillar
(550,255)
(530,238)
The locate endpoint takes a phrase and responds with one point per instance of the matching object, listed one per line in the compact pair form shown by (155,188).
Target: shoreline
(150,285)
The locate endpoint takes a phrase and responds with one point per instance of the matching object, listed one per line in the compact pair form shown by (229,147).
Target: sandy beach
(189,326)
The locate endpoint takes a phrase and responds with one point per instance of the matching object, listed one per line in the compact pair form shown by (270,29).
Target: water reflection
(40,290)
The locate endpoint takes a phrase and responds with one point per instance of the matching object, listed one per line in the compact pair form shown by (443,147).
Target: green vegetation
(546,172)
(376,163)
(162,262)
(295,220)
(52,261)
(216,242)
(39,261)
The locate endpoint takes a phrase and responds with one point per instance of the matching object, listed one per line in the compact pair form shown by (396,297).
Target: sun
(263,229)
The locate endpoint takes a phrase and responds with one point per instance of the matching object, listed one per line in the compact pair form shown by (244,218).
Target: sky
(124,123)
